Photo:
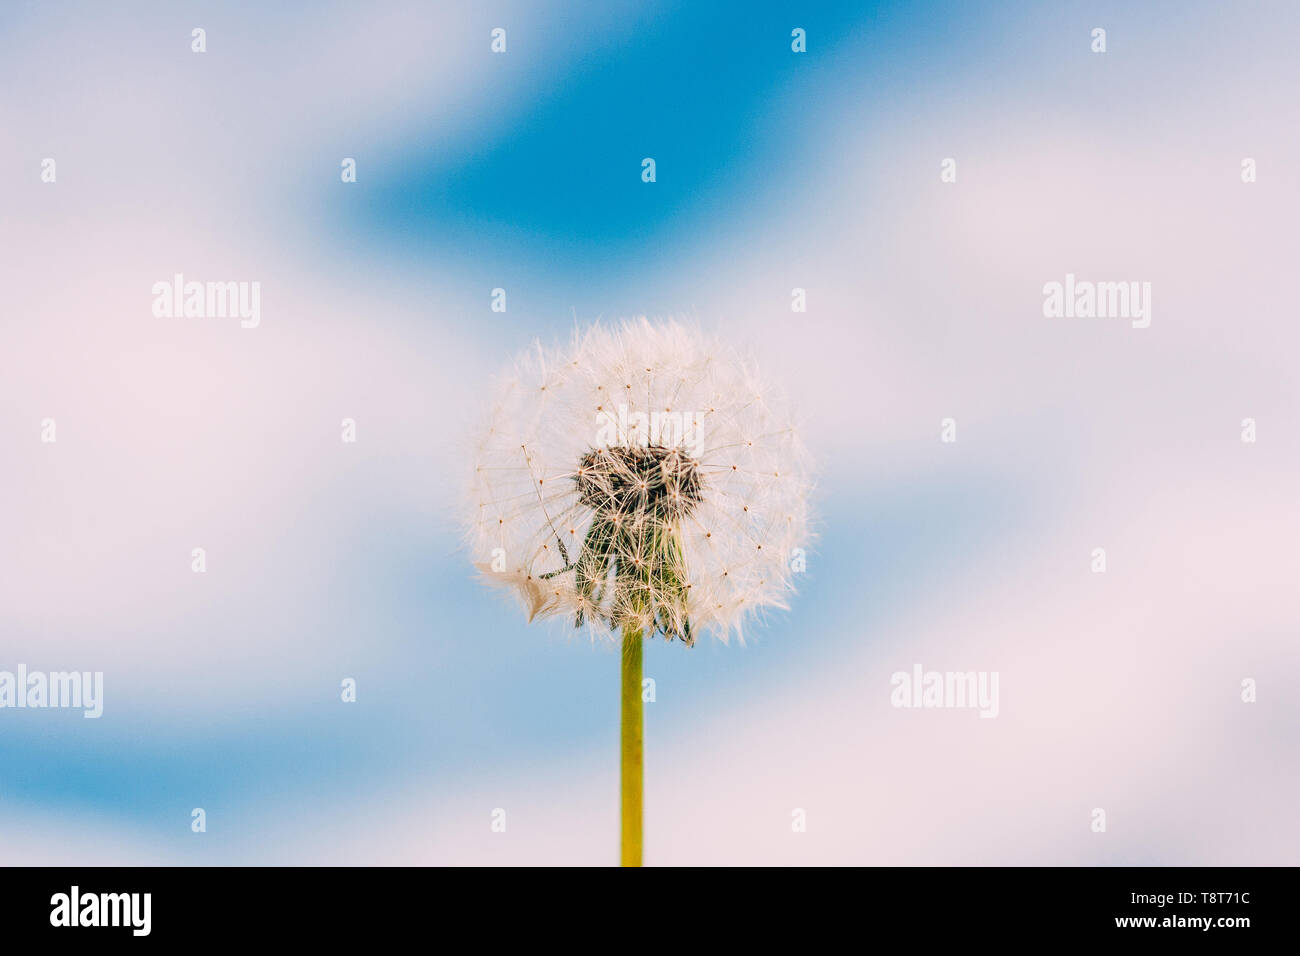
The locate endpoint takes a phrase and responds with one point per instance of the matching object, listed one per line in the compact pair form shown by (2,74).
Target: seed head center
(640,482)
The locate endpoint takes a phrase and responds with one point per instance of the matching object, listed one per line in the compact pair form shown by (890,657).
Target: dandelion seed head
(641,476)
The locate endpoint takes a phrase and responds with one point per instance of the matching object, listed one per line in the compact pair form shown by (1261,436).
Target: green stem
(633,728)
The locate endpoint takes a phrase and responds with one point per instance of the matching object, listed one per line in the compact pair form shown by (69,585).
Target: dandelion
(641,482)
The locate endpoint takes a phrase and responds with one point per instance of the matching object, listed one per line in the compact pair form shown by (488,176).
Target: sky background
(775,170)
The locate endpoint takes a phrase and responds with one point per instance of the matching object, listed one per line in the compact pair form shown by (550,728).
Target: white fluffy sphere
(641,477)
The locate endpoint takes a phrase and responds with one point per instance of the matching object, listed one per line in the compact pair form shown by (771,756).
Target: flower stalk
(632,733)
